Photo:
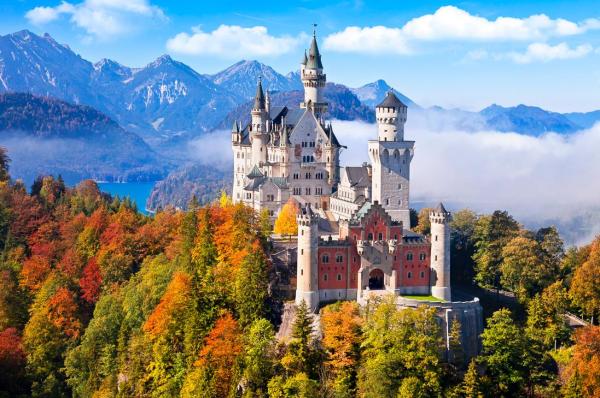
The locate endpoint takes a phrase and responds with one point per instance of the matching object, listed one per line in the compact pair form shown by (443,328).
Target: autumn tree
(471,386)
(286,223)
(545,316)
(423,224)
(91,282)
(522,270)
(12,364)
(585,289)
(582,373)
(341,324)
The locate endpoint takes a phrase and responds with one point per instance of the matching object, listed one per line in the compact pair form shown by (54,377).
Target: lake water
(137,191)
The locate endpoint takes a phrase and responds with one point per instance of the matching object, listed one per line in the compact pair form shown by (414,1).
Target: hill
(49,136)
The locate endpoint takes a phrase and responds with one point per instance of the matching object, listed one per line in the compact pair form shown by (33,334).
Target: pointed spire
(305,59)
(235,128)
(259,99)
(314,57)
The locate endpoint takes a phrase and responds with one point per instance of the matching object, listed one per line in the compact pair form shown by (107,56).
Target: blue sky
(465,54)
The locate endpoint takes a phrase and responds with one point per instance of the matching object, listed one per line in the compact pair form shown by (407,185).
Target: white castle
(285,153)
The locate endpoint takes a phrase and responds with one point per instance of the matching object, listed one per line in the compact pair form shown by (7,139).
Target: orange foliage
(221,349)
(63,312)
(70,264)
(341,334)
(12,356)
(34,272)
(29,215)
(91,281)
(173,300)
(585,363)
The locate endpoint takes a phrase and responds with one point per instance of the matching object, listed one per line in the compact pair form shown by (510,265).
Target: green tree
(4,164)
(491,234)
(251,288)
(545,321)
(471,386)
(585,289)
(462,227)
(258,358)
(456,355)
(302,355)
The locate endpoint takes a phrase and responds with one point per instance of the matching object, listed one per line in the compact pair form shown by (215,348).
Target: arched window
(422,274)
(409,256)
(339,277)
(409,275)
(325,277)
(325,258)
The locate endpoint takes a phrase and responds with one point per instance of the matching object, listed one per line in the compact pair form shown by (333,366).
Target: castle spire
(259,99)
(314,57)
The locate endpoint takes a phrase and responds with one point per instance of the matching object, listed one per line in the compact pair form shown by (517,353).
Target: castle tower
(313,79)
(258,128)
(307,278)
(440,253)
(390,158)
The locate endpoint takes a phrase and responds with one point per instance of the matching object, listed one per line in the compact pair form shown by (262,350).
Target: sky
(466,54)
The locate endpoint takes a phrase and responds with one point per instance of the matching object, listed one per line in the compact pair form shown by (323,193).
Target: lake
(137,191)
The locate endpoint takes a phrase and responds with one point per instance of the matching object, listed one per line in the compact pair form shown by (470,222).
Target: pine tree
(470,386)
(457,353)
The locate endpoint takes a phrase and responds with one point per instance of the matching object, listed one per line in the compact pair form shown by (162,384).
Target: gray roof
(254,183)
(259,99)
(314,57)
(255,172)
(440,208)
(391,101)
(305,59)
(357,175)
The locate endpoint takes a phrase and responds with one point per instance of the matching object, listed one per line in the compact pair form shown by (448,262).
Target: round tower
(440,253)
(307,279)
(391,117)
(313,79)
(258,127)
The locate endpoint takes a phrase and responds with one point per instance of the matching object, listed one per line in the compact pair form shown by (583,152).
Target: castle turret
(390,157)
(313,79)
(307,287)
(391,117)
(258,128)
(440,253)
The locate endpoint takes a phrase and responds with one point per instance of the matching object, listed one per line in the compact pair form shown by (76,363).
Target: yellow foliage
(286,221)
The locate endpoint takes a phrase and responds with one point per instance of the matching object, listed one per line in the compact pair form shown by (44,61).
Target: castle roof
(314,57)
(255,173)
(440,208)
(391,101)
(259,98)
(305,59)
(358,176)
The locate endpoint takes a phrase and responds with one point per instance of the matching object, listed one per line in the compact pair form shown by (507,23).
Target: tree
(491,234)
(505,355)
(423,224)
(471,386)
(4,162)
(302,356)
(462,227)
(585,289)
(251,287)
(286,223)
(552,247)
(12,364)
(258,358)
(341,324)
(91,282)
(522,270)
(545,320)
(265,225)
(583,370)
(456,351)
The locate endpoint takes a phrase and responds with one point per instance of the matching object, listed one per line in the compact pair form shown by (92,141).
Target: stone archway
(376,279)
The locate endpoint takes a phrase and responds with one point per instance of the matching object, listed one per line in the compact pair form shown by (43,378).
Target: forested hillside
(98,300)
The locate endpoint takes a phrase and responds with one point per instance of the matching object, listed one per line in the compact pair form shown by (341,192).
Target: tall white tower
(390,158)
(258,128)
(440,253)
(307,278)
(313,79)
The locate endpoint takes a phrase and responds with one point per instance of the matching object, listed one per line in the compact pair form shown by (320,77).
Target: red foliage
(70,264)
(12,357)
(28,215)
(91,282)
(35,271)
(63,312)
(98,220)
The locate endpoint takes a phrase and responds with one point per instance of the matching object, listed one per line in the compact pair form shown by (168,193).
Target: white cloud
(544,52)
(453,23)
(231,41)
(540,180)
(99,18)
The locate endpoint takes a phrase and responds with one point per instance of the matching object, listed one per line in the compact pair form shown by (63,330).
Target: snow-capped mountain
(241,77)
(373,93)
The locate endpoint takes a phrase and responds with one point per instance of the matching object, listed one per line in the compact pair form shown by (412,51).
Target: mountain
(241,77)
(585,120)
(203,182)
(48,136)
(373,93)
(528,120)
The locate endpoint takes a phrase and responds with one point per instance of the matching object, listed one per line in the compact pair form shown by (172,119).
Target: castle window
(387,202)
(325,277)
(296,176)
(422,256)
(436,238)
(422,274)
(301,251)
(307,190)
(409,256)
(436,257)
(339,277)
(380,236)
(399,186)
(270,198)
(409,275)
(301,272)
(325,258)
(370,236)
(271,213)
(339,258)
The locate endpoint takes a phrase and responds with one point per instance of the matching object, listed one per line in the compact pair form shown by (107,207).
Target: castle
(354,237)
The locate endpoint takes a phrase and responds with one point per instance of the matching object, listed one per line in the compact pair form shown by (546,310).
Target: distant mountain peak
(373,93)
